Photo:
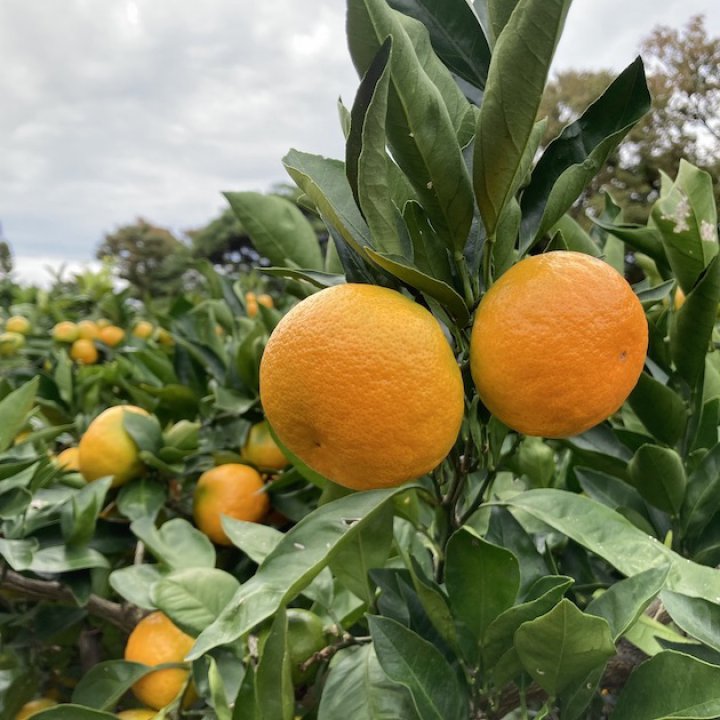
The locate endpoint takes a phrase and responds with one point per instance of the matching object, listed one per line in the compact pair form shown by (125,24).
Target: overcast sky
(114,109)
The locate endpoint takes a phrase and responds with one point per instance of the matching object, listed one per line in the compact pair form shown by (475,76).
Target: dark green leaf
(73,712)
(660,410)
(703,495)
(141,498)
(659,476)
(273,682)
(105,683)
(79,516)
(14,410)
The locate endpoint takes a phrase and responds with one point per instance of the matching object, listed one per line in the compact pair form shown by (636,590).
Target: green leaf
(14,410)
(194,598)
(18,554)
(501,631)
(60,559)
(79,516)
(645,239)
(273,681)
(422,129)
(314,277)
(510,105)
(410,661)
(685,217)
(482,580)
(367,550)
(141,498)
(279,231)
(303,552)
(367,161)
(255,540)
(176,543)
(134,583)
(437,289)
(562,647)
(702,500)
(144,430)
(623,603)
(578,153)
(659,476)
(670,685)
(576,239)
(357,689)
(455,34)
(324,181)
(104,684)
(660,410)
(612,537)
(499,12)
(693,324)
(218,693)
(696,616)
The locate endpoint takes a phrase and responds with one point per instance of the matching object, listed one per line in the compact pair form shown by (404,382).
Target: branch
(123,616)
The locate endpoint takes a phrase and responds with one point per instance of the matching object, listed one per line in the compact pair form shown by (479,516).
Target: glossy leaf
(693,324)
(658,474)
(512,97)
(105,683)
(194,598)
(72,712)
(14,409)
(578,153)
(303,552)
(623,603)
(273,682)
(60,559)
(612,537)
(410,661)
(660,409)
(671,685)
(134,583)
(176,543)
(563,646)
(80,515)
(279,231)
(482,580)
(357,688)
(697,617)
(703,494)
(255,540)
(141,498)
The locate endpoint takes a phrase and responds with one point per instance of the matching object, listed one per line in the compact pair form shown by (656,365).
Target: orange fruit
(34,707)
(153,641)
(65,331)
(11,342)
(265,300)
(164,337)
(143,330)
(107,450)
(361,384)
(69,459)
(84,352)
(103,323)
(234,490)
(18,324)
(88,330)
(252,307)
(112,335)
(261,450)
(137,714)
(557,345)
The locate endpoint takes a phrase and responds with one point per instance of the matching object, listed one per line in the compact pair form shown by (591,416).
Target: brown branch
(123,616)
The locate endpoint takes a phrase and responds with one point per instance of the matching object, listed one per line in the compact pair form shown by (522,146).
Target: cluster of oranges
(362,384)
(13,337)
(252,301)
(84,336)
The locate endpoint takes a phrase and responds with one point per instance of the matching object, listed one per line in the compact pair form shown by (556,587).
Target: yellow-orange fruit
(261,450)
(156,640)
(18,324)
(137,714)
(11,342)
(88,330)
(84,352)
(65,331)
(265,300)
(558,343)
(234,490)
(251,306)
(103,323)
(34,707)
(69,459)
(679,298)
(107,450)
(164,337)
(112,335)
(143,330)
(361,384)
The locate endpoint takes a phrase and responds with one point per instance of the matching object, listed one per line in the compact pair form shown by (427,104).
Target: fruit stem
(487,262)
(465,275)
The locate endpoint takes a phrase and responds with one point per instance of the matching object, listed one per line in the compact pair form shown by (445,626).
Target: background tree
(150,258)
(683,69)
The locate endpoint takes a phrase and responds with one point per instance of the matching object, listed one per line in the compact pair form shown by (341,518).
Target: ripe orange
(265,300)
(69,459)
(156,640)
(34,707)
(557,345)
(65,331)
(18,324)
(84,352)
(361,384)
(261,450)
(106,449)
(112,335)
(143,330)
(234,490)
(88,330)
(252,307)
(137,714)
(103,323)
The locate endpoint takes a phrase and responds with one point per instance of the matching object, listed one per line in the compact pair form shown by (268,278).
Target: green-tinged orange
(261,450)
(34,707)
(107,450)
(18,324)
(65,331)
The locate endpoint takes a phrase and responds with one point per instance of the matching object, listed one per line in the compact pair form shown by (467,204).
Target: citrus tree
(490,465)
